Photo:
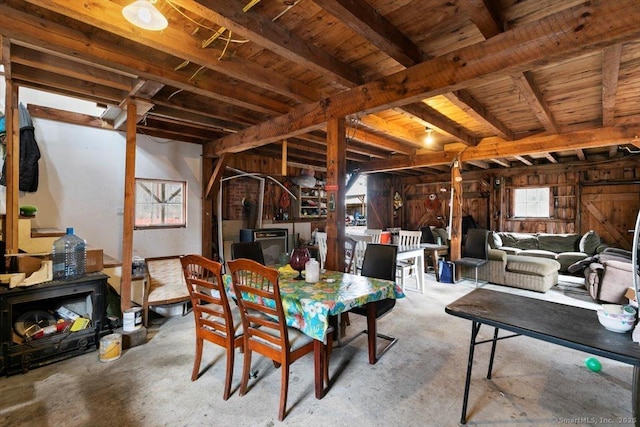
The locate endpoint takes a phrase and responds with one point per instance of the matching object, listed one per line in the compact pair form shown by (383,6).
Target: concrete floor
(419,382)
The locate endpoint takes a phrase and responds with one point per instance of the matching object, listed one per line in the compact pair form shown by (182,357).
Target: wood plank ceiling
(500,83)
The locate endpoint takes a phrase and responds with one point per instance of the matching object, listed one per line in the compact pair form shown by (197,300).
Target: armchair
(609,276)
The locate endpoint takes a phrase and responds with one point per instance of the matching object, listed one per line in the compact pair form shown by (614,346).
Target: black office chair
(476,252)
(427,235)
(380,263)
(249,250)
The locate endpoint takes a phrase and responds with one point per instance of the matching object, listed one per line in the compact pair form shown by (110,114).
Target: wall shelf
(312,202)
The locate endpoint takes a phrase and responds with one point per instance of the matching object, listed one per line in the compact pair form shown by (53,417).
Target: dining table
(308,306)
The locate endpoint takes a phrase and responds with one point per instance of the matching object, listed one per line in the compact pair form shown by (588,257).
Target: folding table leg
(475,328)
(493,352)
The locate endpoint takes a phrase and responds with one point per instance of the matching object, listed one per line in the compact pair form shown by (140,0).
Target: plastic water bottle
(69,257)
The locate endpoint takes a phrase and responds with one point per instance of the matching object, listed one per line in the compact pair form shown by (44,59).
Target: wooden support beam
(610,75)
(336,192)
(129,207)
(533,97)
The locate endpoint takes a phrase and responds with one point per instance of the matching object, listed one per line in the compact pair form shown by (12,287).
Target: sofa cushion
(589,242)
(567,259)
(558,242)
(539,253)
(519,240)
(495,242)
(531,265)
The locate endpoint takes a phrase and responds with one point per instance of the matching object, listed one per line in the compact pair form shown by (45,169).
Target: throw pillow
(495,242)
(589,242)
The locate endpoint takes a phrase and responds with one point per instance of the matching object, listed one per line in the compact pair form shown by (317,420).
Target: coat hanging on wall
(29,155)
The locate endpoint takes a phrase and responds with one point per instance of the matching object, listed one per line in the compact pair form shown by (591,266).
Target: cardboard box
(631,295)
(30,264)
(94,260)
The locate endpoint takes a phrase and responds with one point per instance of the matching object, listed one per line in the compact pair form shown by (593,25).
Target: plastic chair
(165,285)
(380,263)
(265,326)
(249,250)
(321,239)
(475,252)
(216,321)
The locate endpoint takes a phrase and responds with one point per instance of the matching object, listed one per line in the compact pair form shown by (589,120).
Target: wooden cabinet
(312,202)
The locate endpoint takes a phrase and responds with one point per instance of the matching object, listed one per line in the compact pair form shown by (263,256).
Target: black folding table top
(569,326)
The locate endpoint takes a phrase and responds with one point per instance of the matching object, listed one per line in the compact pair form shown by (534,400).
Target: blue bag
(445,268)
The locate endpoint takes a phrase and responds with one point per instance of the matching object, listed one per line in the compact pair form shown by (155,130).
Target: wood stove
(20,350)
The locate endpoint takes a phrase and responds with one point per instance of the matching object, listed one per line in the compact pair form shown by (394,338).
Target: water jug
(312,271)
(69,257)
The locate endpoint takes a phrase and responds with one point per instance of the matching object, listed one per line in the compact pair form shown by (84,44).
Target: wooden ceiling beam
(501,162)
(524,160)
(439,122)
(467,103)
(365,21)
(490,147)
(264,32)
(47,62)
(175,41)
(610,75)
(533,97)
(376,123)
(377,141)
(57,115)
(31,31)
(484,16)
(67,84)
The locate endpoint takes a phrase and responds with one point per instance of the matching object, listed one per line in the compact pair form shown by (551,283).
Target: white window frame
(531,202)
(160,203)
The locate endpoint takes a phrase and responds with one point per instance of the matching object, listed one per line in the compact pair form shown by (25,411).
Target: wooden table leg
(371,332)
(434,259)
(318,365)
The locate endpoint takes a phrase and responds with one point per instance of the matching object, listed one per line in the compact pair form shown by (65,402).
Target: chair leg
(284,388)
(198,359)
(229,374)
(246,369)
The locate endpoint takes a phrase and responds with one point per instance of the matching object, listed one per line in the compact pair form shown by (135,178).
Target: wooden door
(611,211)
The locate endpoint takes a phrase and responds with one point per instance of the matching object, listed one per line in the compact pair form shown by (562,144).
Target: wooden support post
(456,212)
(12,159)
(336,192)
(129,206)
(284,157)
(208,210)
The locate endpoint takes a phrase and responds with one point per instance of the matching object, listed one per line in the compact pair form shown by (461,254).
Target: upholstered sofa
(518,271)
(567,249)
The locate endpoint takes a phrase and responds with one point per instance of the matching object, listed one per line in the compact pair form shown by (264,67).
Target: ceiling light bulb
(143,14)
(429,138)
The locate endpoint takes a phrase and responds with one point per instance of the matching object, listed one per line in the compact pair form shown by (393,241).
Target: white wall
(81,181)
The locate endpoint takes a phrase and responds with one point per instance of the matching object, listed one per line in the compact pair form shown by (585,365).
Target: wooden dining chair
(380,263)
(216,320)
(406,268)
(265,326)
(321,239)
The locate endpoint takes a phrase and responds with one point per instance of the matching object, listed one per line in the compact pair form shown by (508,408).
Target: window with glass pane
(160,203)
(531,202)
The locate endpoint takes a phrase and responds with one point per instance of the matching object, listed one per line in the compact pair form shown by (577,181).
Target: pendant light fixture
(143,14)
(429,139)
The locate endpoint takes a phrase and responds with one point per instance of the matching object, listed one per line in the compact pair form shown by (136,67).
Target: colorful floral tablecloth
(308,306)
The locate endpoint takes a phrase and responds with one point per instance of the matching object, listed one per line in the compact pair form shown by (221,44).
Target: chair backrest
(209,299)
(409,238)
(362,240)
(476,244)
(427,235)
(249,250)
(374,233)
(258,297)
(321,240)
(165,282)
(380,261)
(349,255)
